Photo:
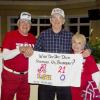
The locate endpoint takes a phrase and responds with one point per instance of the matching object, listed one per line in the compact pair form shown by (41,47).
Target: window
(12,22)
(39,23)
(79,24)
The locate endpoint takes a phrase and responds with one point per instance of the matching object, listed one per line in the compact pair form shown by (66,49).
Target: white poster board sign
(55,69)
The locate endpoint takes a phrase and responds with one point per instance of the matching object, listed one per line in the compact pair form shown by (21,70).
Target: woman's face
(77,46)
(57,21)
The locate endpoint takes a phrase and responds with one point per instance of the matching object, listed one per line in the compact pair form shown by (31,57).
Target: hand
(86,53)
(22,49)
(28,51)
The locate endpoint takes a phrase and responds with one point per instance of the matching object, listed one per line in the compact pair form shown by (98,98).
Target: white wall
(0,72)
(34,91)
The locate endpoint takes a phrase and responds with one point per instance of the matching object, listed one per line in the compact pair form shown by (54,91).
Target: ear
(63,20)
(50,20)
(18,22)
(83,46)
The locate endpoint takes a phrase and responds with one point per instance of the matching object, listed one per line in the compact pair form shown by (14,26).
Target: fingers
(27,51)
(22,49)
(86,53)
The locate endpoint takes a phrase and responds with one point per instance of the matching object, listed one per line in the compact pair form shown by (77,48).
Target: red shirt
(12,41)
(89,67)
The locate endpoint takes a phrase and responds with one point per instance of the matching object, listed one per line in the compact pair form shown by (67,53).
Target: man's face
(57,20)
(24,26)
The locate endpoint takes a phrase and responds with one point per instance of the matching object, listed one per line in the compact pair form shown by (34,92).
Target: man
(55,40)
(16,47)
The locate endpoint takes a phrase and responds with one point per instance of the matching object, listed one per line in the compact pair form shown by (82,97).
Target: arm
(39,44)
(10,54)
(87,51)
(96,78)
(93,69)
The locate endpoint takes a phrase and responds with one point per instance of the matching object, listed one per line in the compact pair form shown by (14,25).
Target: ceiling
(52,0)
(44,2)
(32,0)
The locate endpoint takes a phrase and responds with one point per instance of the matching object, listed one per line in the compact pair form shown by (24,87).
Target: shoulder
(31,35)
(91,64)
(67,32)
(11,33)
(90,59)
(46,32)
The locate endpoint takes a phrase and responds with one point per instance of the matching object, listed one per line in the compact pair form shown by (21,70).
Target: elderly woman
(90,70)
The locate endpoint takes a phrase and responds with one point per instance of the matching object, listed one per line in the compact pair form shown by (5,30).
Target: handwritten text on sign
(55,69)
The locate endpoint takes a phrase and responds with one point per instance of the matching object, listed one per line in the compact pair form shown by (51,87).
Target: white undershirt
(9,54)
